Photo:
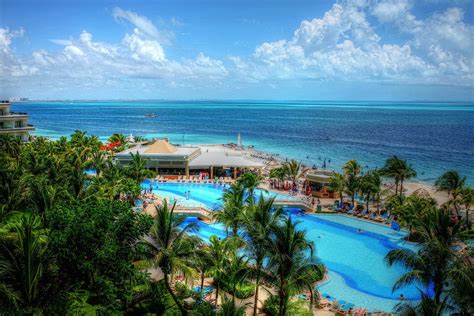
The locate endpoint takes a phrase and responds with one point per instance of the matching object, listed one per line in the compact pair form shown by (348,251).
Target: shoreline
(409,186)
(272,160)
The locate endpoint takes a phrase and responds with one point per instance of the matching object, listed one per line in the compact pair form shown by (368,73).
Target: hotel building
(13,123)
(170,160)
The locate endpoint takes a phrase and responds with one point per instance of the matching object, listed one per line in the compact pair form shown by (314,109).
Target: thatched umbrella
(422,193)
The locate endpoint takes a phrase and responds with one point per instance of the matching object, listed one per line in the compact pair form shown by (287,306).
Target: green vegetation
(293,170)
(73,244)
(68,242)
(437,263)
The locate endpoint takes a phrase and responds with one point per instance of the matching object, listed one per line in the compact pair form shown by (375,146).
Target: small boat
(151,115)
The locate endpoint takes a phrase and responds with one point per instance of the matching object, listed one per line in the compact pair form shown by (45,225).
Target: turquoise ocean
(433,136)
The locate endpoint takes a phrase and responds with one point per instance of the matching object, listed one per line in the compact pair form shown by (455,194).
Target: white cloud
(89,64)
(143,26)
(6,37)
(144,49)
(62,42)
(344,46)
(391,10)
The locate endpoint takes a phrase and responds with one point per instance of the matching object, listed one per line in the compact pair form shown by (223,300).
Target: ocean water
(433,136)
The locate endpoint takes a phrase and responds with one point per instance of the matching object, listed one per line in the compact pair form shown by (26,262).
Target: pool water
(352,249)
(200,194)
(355,260)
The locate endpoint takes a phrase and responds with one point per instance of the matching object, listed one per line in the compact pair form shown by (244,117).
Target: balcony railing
(14,114)
(17,128)
(18,113)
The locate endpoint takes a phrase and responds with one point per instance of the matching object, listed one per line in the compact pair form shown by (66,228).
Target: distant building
(319,181)
(171,160)
(14,123)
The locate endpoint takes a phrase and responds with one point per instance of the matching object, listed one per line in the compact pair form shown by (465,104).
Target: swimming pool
(355,259)
(200,194)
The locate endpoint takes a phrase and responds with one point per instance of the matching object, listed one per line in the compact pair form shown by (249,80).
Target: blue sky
(331,50)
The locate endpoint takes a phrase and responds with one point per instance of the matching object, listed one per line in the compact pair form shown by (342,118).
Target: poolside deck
(196,211)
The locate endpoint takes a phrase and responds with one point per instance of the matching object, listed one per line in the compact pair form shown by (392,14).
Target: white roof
(223,159)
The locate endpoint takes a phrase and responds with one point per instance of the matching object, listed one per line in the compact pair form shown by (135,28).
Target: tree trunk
(438,287)
(255,302)
(281,304)
(202,281)
(455,204)
(401,187)
(283,300)
(378,204)
(311,299)
(217,293)
(368,200)
(173,296)
(396,187)
(467,217)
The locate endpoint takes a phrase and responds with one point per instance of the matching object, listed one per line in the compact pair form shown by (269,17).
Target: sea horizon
(28,100)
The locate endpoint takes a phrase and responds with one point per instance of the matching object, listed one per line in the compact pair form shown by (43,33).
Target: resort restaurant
(318,180)
(174,160)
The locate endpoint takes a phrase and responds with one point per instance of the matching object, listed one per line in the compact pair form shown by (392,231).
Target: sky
(247,49)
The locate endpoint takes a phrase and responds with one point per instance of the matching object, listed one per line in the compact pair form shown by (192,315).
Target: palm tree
(413,207)
(23,265)
(352,170)
(228,308)
(250,181)
(97,161)
(294,170)
(389,170)
(451,182)
(259,221)
(42,195)
(170,246)
(461,291)
(137,168)
(203,262)
(231,213)
(278,173)
(220,250)
(118,138)
(337,184)
(289,261)
(427,306)
(237,269)
(370,185)
(400,170)
(435,262)
(466,198)
(308,281)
